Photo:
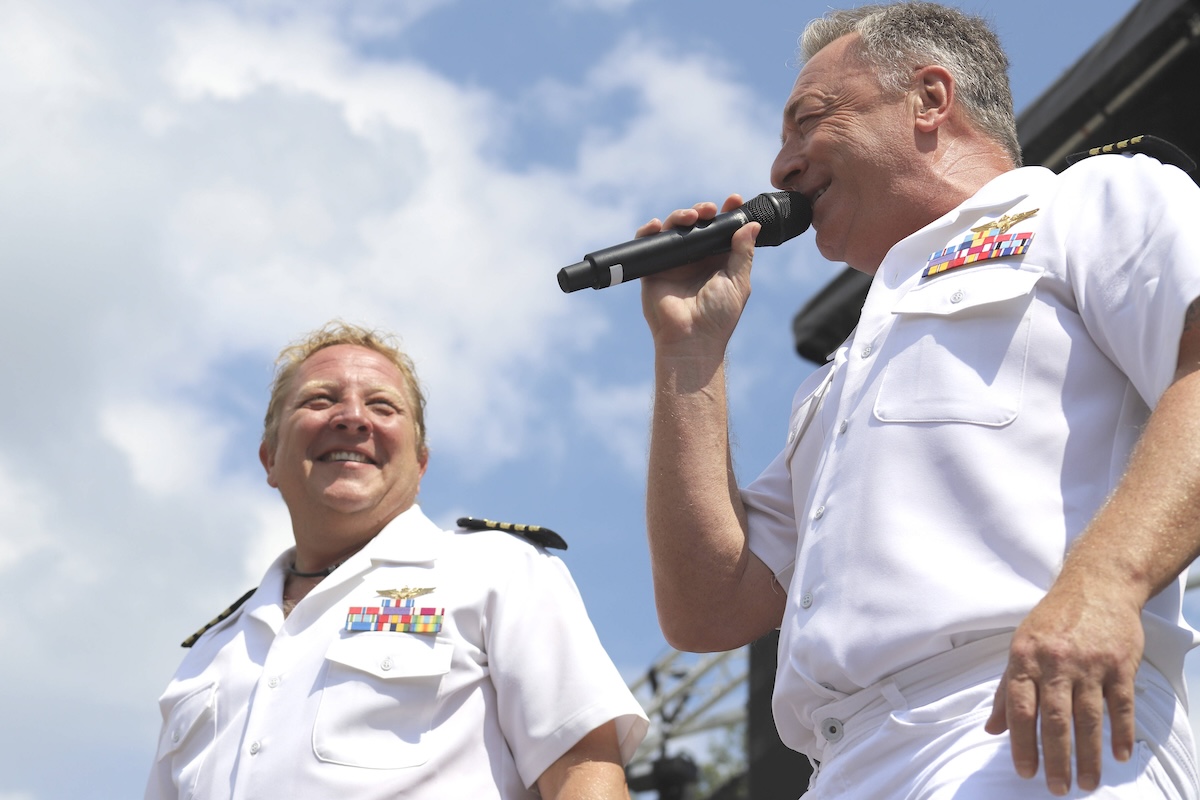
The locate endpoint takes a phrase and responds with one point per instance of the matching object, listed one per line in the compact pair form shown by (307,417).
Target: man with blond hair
(381,656)
(975,572)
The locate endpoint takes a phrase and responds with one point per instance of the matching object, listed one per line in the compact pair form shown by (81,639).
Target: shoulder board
(1152,146)
(224,615)
(534,533)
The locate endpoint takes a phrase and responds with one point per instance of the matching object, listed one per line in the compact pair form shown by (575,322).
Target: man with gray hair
(973,537)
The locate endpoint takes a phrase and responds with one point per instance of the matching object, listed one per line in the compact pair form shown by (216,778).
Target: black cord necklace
(321,573)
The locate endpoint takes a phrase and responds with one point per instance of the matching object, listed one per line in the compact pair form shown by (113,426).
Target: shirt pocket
(378,695)
(958,349)
(187,737)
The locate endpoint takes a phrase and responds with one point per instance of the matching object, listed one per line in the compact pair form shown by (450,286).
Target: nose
(788,167)
(351,414)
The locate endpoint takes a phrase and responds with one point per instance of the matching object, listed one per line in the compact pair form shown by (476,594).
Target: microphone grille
(783,215)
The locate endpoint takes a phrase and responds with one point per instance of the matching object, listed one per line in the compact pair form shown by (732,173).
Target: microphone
(783,215)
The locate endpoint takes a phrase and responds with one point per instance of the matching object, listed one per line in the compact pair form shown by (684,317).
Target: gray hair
(897,38)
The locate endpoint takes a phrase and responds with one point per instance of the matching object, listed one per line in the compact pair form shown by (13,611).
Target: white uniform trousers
(918,735)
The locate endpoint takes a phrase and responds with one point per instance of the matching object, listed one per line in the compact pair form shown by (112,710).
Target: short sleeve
(1133,261)
(554,681)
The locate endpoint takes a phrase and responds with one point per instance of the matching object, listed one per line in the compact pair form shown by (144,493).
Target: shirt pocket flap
(190,713)
(972,288)
(388,654)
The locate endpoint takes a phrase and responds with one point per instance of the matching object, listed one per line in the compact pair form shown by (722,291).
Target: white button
(843,426)
(791,435)
(254,748)
(273,681)
(957,297)
(386,664)
(866,351)
(806,600)
(831,729)
(175,736)
(820,512)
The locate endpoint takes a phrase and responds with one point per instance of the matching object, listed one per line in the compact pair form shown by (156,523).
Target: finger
(1120,695)
(1020,711)
(687,217)
(731,202)
(744,237)
(650,228)
(998,722)
(1088,710)
(1055,711)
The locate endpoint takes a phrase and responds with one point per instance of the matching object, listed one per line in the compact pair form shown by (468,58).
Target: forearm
(695,519)
(591,770)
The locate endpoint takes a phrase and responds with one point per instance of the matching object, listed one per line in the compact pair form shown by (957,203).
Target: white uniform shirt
(268,707)
(939,467)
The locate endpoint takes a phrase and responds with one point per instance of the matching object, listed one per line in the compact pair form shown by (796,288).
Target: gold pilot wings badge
(986,241)
(397,612)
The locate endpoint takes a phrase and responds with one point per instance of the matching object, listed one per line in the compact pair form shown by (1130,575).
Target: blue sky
(189,185)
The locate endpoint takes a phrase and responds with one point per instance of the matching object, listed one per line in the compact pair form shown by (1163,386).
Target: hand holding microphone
(782,215)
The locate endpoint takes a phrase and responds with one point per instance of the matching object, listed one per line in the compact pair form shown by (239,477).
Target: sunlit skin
(347,460)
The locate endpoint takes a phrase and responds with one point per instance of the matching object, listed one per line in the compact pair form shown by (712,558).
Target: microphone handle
(651,254)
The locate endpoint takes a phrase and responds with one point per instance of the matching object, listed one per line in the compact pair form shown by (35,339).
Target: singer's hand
(693,309)
(1076,653)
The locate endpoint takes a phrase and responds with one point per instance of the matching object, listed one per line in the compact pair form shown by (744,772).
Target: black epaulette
(534,533)
(224,615)
(1152,146)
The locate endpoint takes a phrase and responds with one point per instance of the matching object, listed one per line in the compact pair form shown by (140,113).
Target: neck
(951,177)
(296,589)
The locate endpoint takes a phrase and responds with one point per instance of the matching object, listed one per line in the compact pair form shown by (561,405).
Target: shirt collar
(999,194)
(410,538)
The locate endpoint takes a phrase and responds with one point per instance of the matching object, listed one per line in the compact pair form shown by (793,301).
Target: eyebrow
(317,385)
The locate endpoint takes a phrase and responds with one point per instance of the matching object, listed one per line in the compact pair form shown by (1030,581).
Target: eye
(316,402)
(805,123)
(384,406)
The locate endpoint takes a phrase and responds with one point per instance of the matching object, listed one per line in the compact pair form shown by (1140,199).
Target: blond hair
(334,333)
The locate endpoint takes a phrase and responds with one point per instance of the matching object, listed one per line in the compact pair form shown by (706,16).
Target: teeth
(346,455)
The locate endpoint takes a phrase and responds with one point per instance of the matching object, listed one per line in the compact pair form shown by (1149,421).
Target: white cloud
(696,127)
(618,419)
(187,187)
(24,530)
(170,448)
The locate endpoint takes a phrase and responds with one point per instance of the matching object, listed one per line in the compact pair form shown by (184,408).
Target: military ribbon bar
(979,246)
(403,618)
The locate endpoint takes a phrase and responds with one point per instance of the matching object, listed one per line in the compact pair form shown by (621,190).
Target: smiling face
(347,454)
(851,147)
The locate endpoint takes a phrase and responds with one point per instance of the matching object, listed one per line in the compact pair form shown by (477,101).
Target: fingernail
(1057,787)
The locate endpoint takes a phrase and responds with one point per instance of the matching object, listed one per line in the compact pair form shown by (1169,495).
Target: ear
(268,461)
(933,97)
(423,460)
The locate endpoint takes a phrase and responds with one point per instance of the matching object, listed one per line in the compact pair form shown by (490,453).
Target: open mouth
(345,455)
